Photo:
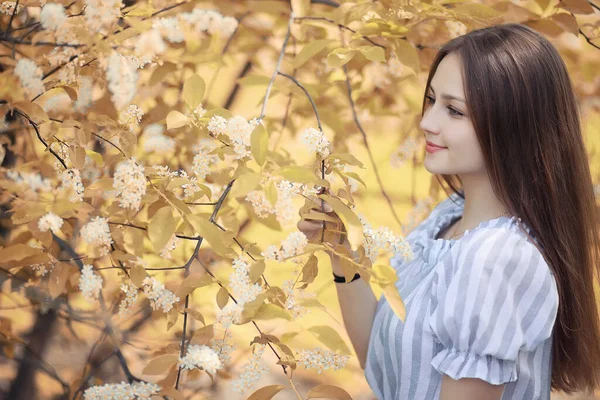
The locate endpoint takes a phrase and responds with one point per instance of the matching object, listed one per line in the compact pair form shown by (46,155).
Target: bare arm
(358,304)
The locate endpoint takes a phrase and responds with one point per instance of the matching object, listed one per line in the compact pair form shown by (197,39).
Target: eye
(452,111)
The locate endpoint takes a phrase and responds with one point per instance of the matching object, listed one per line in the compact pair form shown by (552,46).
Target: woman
(499,296)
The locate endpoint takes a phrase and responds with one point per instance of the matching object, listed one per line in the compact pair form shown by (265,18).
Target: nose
(428,123)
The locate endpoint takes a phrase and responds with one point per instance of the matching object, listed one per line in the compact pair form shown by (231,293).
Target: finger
(309,225)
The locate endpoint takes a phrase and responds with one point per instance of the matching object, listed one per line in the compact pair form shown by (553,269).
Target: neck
(481,203)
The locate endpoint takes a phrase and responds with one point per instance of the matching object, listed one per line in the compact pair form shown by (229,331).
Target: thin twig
(341,27)
(312,103)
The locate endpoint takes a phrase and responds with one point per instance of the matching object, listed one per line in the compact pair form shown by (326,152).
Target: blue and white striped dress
(481,306)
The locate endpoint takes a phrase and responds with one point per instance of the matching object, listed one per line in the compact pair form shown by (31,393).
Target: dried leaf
(160,364)
(328,392)
(222,297)
(266,393)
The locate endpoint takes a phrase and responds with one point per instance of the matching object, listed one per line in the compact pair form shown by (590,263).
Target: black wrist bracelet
(341,279)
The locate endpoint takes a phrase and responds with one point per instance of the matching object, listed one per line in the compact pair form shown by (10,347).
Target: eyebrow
(448,96)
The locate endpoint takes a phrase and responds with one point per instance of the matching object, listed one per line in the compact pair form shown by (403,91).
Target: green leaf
(218,240)
(161,227)
(340,57)
(271,311)
(373,53)
(297,174)
(175,120)
(300,7)
(310,50)
(193,91)
(408,55)
(260,142)
(330,338)
(347,158)
(244,184)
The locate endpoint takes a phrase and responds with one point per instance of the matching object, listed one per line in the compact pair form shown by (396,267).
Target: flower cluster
(84,96)
(8,7)
(131,296)
(317,142)
(50,221)
(223,348)
(30,76)
(405,152)
(101,14)
(203,159)
(155,140)
(147,46)
(131,117)
(129,183)
(242,289)
(384,73)
(122,76)
(202,357)
(169,28)
(252,370)
(90,283)
(322,360)
(169,247)
(34,181)
(159,296)
(291,246)
(210,21)
(71,179)
(52,16)
(97,233)
(239,131)
(293,294)
(122,391)
(284,209)
(382,239)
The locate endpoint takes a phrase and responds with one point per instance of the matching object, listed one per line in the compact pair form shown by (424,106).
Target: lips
(435,145)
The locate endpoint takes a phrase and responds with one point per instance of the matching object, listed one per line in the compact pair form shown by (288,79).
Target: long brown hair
(525,113)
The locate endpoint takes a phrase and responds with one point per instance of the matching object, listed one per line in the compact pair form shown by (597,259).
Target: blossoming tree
(128,183)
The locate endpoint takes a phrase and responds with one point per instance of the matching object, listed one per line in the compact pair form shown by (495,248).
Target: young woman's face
(446,123)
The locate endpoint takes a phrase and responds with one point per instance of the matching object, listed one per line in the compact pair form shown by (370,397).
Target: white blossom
(101,14)
(8,7)
(90,283)
(122,77)
(217,125)
(97,233)
(293,245)
(210,21)
(131,117)
(131,296)
(322,359)
(317,142)
(34,181)
(71,180)
(155,141)
(159,296)
(382,238)
(231,313)
(50,221)
(202,357)
(223,348)
(84,96)
(129,182)
(169,247)
(53,16)
(203,159)
(169,29)
(122,391)
(455,28)
(252,371)
(30,76)
(148,45)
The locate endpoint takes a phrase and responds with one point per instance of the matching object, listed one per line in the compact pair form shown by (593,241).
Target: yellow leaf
(355,176)
(172,316)
(160,364)
(310,269)
(476,10)
(193,91)
(260,142)
(266,393)
(340,57)
(140,11)
(33,111)
(271,193)
(256,270)
(328,392)
(218,240)
(245,184)
(576,6)
(349,218)
(567,22)
(408,55)
(97,157)
(222,297)
(77,155)
(192,282)
(310,50)
(271,311)
(385,275)
(137,274)
(18,252)
(161,227)
(175,120)
(330,338)
(373,53)
(297,174)
(347,158)
(254,80)
(58,279)
(395,301)
(197,315)
(300,7)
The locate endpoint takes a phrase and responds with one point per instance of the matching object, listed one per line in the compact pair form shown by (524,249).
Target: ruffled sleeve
(495,298)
